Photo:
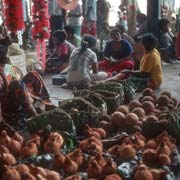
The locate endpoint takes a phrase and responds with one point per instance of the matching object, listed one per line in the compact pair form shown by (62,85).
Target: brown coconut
(163,100)
(132,119)
(147,92)
(133,104)
(123,109)
(139,112)
(148,98)
(148,107)
(118,119)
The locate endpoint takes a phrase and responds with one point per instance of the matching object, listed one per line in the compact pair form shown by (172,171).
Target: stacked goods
(173,118)
(90,157)
(97,101)
(132,142)
(57,118)
(147,113)
(81,111)
(111,92)
(129,90)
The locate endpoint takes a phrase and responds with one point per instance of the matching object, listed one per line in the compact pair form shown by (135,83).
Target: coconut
(139,112)
(163,100)
(118,119)
(167,93)
(151,144)
(152,118)
(149,156)
(123,109)
(147,92)
(148,98)
(133,104)
(163,108)
(132,119)
(127,152)
(163,160)
(148,106)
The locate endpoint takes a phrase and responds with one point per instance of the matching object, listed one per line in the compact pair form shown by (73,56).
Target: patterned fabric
(60,57)
(17,95)
(124,50)
(116,67)
(138,83)
(79,66)
(35,84)
(88,27)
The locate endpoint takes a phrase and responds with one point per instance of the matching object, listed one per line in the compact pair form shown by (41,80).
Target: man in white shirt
(90,18)
(74,19)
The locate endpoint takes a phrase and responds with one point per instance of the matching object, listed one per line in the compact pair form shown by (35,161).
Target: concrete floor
(171,83)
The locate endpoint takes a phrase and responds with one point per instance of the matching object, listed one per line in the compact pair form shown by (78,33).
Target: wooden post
(153,14)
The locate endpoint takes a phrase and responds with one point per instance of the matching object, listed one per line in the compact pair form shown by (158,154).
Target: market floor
(171,83)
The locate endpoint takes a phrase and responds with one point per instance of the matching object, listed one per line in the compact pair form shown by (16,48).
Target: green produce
(77,104)
(57,118)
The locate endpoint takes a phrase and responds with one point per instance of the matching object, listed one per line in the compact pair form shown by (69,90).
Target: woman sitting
(59,59)
(150,72)
(166,41)
(18,95)
(83,67)
(117,54)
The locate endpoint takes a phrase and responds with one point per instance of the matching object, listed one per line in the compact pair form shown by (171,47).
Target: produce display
(83,139)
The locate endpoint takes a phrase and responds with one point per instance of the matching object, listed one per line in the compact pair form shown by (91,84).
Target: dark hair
(149,41)
(69,29)
(60,35)
(163,22)
(91,40)
(114,30)
(141,18)
(121,28)
(137,38)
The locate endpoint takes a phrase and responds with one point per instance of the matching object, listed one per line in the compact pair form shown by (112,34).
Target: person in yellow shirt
(150,72)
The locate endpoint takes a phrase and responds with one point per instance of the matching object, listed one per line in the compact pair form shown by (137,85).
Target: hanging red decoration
(13,15)
(40,30)
(41,26)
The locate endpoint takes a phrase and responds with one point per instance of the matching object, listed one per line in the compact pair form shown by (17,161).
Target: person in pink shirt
(59,59)
(177,45)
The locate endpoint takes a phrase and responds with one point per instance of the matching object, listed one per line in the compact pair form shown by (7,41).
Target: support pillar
(153,14)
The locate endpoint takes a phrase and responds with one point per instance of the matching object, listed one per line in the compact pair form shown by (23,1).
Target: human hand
(127,72)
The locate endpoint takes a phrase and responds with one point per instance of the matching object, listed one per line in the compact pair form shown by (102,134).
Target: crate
(59,79)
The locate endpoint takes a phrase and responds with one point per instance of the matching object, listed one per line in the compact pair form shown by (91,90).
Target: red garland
(13,15)
(40,30)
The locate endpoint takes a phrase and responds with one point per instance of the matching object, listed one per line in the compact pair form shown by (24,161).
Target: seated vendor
(83,67)
(59,59)
(166,41)
(150,72)
(18,95)
(117,54)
